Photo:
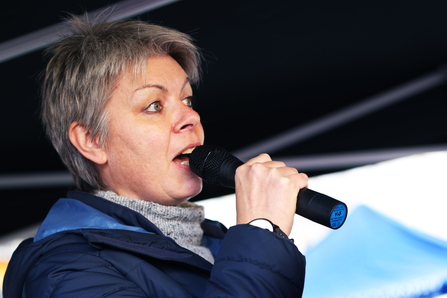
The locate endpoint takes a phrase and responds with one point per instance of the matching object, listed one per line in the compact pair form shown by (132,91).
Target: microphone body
(218,166)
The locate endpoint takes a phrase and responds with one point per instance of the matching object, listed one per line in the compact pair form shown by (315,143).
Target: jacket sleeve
(253,262)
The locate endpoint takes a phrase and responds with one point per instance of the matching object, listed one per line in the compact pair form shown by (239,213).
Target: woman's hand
(268,189)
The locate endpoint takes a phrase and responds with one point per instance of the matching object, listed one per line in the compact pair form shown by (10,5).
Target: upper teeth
(188,151)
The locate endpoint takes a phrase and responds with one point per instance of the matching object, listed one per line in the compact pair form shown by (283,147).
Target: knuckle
(265,156)
(257,166)
(280,164)
(304,177)
(284,181)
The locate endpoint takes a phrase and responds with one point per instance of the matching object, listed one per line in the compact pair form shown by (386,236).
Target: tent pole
(41,38)
(343,116)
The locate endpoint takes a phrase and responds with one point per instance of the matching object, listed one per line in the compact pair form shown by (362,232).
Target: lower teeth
(186,162)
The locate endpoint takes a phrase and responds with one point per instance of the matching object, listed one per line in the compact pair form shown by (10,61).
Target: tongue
(181,158)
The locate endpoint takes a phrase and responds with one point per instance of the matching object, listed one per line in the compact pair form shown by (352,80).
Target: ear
(80,138)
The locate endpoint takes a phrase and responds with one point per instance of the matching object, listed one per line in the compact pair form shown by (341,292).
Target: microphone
(217,166)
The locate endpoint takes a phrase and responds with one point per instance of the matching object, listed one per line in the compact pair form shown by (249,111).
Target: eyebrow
(160,87)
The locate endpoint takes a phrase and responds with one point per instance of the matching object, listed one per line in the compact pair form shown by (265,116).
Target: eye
(189,101)
(154,107)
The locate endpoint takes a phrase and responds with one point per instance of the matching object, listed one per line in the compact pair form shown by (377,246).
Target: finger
(283,170)
(261,158)
(300,180)
(303,180)
(274,164)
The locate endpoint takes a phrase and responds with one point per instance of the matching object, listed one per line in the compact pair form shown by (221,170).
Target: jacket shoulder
(80,269)
(77,264)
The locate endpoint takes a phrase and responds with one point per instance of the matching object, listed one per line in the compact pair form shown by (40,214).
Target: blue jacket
(90,247)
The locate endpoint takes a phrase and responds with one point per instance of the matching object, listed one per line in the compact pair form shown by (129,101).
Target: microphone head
(211,164)
(198,157)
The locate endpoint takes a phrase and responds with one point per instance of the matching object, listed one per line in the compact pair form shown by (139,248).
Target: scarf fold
(181,223)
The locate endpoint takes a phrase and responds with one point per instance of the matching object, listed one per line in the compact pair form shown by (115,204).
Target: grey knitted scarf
(181,223)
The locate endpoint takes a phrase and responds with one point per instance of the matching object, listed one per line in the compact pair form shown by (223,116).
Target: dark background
(270,66)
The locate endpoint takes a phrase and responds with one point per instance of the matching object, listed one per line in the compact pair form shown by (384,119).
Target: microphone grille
(197,159)
(205,161)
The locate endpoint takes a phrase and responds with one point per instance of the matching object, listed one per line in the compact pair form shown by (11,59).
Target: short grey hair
(83,69)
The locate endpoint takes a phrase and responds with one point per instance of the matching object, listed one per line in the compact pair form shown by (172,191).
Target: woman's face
(151,123)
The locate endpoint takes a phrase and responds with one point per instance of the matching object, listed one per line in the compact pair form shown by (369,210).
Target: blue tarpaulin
(375,256)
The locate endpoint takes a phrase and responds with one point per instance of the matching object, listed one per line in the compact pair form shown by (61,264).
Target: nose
(187,119)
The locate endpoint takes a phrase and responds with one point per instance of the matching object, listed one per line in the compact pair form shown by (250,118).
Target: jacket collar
(86,211)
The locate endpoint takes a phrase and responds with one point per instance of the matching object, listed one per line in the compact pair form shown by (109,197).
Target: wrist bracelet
(264,223)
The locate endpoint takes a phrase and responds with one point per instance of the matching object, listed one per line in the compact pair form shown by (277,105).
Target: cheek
(131,143)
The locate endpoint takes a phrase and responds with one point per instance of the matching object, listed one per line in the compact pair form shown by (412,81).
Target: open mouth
(183,158)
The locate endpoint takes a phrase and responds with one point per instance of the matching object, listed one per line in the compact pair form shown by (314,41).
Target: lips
(183,158)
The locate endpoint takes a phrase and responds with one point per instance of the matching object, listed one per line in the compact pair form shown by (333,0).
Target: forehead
(159,73)
(154,68)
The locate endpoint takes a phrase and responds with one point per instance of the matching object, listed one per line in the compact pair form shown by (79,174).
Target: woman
(117,106)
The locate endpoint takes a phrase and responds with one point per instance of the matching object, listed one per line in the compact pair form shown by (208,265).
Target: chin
(194,195)
(194,191)
(181,191)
